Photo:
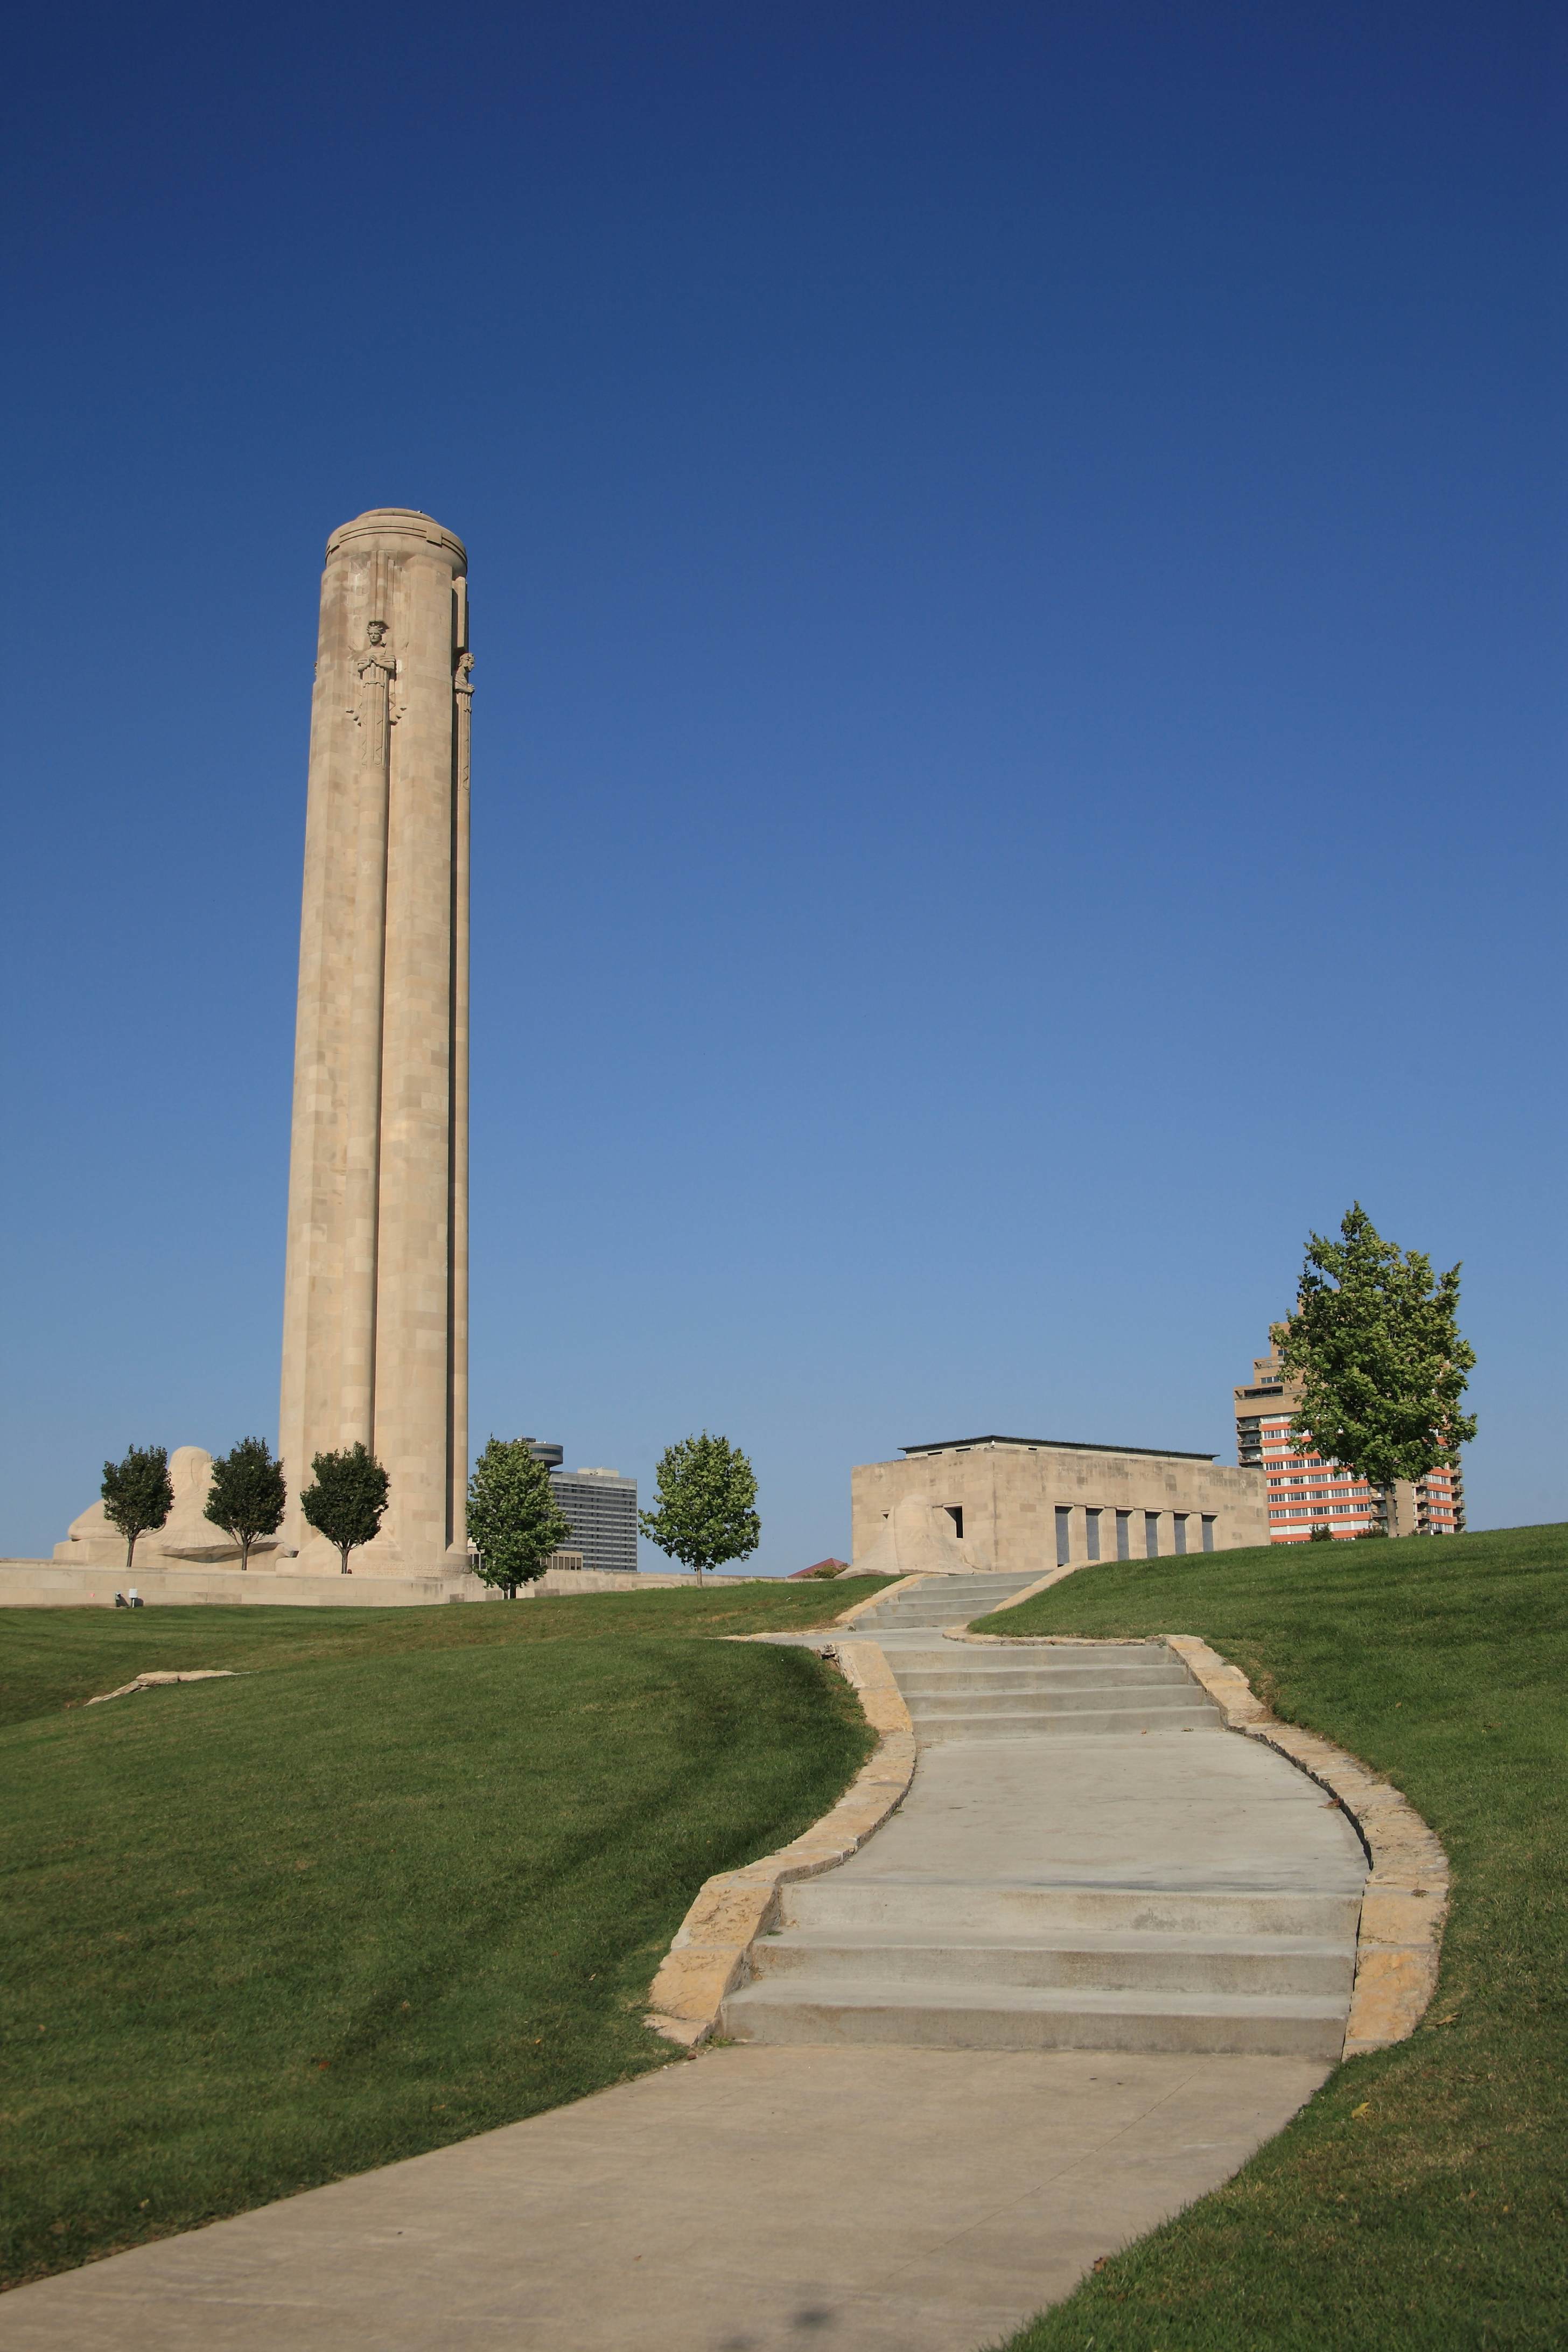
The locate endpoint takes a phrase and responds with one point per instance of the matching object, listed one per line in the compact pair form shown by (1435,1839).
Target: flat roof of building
(1064,1444)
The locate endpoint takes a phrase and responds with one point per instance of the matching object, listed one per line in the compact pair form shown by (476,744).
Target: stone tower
(376,1312)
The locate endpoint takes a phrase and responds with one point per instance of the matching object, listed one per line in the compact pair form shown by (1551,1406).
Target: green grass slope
(406,1878)
(52,1657)
(1421,2200)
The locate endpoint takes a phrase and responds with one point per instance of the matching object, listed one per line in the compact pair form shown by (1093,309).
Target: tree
(1375,1343)
(248,1494)
(513,1514)
(1322,1533)
(346,1503)
(707,1496)
(138,1493)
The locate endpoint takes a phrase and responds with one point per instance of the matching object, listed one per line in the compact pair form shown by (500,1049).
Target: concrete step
(1021,2017)
(919,1616)
(963,1597)
(916,1909)
(916,1653)
(937,1675)
(962,1591)
(985,1722)
(818,1963)
(1089,1695)
(983,1579)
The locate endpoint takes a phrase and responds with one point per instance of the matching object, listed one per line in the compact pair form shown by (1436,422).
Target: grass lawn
(406,1878)
(1421,2200)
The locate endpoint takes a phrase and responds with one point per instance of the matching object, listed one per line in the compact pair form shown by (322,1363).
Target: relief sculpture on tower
(376,708)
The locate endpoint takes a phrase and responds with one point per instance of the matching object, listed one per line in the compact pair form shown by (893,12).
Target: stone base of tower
(384,1557)
(56,1584)
(60,1584)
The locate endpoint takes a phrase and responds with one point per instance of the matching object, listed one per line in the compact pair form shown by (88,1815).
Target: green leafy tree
(512,1515)
(248,1494)
(1322,1533)
(1375,1343)
(346,1503)
(138,1493)
(707,1504)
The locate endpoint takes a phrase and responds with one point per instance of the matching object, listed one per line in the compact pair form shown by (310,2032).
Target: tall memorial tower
(376,1312)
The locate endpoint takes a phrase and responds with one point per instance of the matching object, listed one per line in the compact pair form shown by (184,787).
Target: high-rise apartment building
(603,1508)
(1306,1492)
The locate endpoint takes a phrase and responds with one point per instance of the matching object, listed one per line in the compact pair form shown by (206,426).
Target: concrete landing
(755,2200)
(1155,1809)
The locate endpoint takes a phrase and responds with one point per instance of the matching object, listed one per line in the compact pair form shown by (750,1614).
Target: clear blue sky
(1017,586)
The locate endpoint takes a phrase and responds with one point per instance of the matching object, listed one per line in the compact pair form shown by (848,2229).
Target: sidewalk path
(754,2199)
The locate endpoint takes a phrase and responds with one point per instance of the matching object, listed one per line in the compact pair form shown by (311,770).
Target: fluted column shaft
(375,1320)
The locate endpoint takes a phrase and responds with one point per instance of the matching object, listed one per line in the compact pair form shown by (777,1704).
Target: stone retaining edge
(1404,1903)
(710,1954)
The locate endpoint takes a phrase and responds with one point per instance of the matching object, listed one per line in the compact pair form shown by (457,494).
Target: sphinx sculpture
(186,1540)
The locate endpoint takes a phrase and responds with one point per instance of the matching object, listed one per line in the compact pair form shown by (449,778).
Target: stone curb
(1405,1899)
(710,1954)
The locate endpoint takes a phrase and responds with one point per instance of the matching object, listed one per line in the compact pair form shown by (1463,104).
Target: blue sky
(1018,589)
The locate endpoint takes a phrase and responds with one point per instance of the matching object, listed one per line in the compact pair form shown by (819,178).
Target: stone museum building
(1028,1503)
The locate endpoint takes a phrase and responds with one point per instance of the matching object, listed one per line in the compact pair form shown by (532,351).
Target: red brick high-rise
(1304,1491)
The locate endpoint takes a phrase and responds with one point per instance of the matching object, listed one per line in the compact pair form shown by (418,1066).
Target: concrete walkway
(1086,1860)
(969,2065)
(864,2200)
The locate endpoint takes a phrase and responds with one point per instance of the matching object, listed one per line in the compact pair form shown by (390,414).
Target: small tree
(248,1494)
(1322,1533)
(513,1514)
(706,1498)
(346,1503)
(1375,1343)
(138,1493)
